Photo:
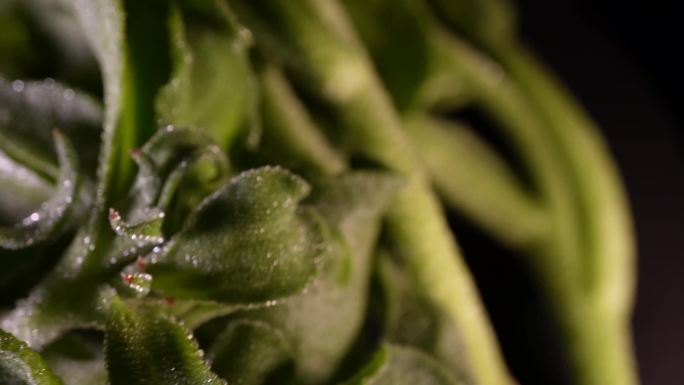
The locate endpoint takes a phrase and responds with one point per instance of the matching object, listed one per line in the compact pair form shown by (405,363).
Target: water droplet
(69,94)
(18,85)
(245,33)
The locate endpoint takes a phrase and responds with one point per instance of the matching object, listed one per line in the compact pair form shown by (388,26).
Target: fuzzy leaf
(321,324)
(102,22)
(410,319)
(397,365)
(144,232)
(250,352)
(212,86)
(176,164)
(30,111)
(177,169)
(22,366)
(248,242)
(402,70)
(144,346)
(44,223)
(78,358)
(22,191)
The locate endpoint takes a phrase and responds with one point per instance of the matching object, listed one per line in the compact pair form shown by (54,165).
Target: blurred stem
(474,179)
(288,124)
(602,350)
(599,346)
(586,264)
(315,39)
(605,220)
(500,98)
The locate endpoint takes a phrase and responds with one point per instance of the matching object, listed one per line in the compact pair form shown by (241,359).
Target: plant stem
(608,233)
(599,339)
(477,182)
(586,263)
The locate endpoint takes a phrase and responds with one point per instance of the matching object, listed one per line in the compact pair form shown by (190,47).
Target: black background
(620,58)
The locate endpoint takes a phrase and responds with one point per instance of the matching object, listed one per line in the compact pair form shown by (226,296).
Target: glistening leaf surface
(144,346)
(20,365)
(320,325)
(248,242)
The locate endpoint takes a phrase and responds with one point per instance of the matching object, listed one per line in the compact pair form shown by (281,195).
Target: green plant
(166,220)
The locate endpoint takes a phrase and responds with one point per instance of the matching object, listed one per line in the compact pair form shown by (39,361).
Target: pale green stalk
(586,262)
(602,351)
(472,177)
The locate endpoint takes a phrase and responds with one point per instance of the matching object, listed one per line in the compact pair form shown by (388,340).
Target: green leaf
(177,169)
(194,313)
(16,51)
(22,191)
(144,232)
(129,41)
(144,346)
(490,23)
(212,85)
(21,365)
(321,324)
(78,358)
(190,183)
(46,222)
(177,164)
(102,22)
(251,352)
(42,37)
(397,365)
(248,242)
(402,70)
(410,319)
(30,111)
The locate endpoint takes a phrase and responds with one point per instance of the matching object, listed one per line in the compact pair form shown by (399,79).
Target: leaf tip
(114,215)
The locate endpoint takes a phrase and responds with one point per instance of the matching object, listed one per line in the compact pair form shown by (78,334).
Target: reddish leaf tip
(128,278)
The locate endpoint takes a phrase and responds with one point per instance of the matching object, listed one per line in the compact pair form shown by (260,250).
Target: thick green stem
(600,349)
